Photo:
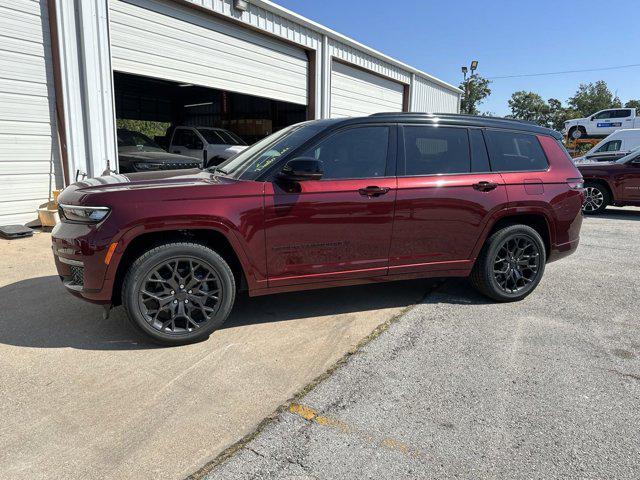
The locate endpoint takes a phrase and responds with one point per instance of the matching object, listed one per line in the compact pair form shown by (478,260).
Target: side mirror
(198,145)
(300,169)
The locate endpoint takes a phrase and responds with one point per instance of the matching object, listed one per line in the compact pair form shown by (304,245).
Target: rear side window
(436,150)
(515,152)
(621,114)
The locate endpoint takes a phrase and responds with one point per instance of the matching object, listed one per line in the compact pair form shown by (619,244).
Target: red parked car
(611,183)
(320,204)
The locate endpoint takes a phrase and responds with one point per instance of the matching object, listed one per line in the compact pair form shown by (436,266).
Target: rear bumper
(563,250)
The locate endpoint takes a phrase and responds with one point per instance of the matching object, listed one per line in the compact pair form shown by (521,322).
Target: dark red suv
(320,204)
(611,183)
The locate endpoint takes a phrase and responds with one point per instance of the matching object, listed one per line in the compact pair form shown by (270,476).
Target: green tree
(529,106)
(476,89)
(592,97)
(559,114)
(633,104)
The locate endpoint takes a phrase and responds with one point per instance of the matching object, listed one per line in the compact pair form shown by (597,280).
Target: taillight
(575,183)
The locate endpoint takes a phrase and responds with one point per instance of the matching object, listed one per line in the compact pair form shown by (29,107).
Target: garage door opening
(155,108)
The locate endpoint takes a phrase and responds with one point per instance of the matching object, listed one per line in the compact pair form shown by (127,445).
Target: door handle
(485,186)
(373,191)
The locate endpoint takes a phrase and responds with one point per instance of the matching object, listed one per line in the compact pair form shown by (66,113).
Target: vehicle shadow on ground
(618,214)
(457,291)
(39,313)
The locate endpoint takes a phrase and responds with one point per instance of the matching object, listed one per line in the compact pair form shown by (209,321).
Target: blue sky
(506,37)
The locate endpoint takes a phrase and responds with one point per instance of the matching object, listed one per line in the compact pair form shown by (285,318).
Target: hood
(102,189)
(156,157)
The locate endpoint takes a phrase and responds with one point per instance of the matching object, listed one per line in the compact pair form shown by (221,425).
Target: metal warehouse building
(70,70)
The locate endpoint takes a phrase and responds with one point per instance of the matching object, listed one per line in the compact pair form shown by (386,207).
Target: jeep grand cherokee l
(611,183)
(320,204)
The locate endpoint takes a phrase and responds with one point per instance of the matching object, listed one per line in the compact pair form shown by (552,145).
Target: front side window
(353,153)
(515,152)
(187,139)
(602,115)
(612,146)
(433,150)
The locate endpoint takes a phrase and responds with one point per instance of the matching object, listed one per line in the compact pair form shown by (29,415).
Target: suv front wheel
(178,293)
(511,264)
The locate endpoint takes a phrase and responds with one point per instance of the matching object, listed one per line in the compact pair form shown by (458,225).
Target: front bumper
(79,253)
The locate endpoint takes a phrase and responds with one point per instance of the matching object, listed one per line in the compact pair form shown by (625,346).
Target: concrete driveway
(83,397)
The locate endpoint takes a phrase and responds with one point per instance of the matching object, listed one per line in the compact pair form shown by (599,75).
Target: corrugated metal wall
(163,40)
(29,162)
(357,93)
(432,98)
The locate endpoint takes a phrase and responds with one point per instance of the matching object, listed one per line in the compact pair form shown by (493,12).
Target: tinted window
(621,114)
(515,152)
(433,150)
(187,139)
(612,146)
(212,136)
(602,115)
(354,153)
(479,155)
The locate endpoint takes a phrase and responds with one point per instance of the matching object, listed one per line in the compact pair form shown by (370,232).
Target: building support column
(86,84)
(326,78)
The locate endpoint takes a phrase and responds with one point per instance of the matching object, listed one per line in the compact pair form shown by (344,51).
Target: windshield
(220,137)
(256,159)
(634,153)
(128,138)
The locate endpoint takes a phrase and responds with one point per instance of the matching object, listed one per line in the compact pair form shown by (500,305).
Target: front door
(339,227)
(445,197)
(603,124)
(187,142)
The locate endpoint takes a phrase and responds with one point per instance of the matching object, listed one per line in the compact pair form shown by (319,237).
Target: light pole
(473,67)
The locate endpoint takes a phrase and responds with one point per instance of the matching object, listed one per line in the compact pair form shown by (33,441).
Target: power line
(565,71)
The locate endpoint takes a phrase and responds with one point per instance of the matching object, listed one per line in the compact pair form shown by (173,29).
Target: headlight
(75,213)
(148,166)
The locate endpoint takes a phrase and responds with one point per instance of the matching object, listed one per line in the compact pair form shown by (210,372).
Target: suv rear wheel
(596,198)
(178,293)
(511,264)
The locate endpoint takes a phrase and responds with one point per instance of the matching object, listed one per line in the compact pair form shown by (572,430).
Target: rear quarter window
(515,152)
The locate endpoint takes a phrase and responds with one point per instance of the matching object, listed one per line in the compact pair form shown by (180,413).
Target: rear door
(338,227)
(446,194)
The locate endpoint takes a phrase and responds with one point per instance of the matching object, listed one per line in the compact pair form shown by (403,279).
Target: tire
(522,274)
(178,293)
(596,198)
(576,133)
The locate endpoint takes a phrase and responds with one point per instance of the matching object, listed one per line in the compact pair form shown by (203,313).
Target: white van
(615,146)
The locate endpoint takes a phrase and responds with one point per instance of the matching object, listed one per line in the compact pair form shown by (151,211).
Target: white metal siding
(358,93)
(368,62)
(164,40)
(432,98)
(29,160)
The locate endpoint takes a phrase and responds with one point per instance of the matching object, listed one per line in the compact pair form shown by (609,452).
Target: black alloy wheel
(178,293)
(511,264)
(516,264)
